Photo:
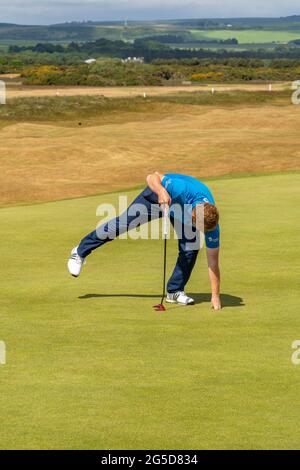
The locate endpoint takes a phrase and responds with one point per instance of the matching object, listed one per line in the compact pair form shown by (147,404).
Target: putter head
(159,308)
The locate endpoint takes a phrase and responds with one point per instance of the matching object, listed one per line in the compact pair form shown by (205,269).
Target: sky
(56,11)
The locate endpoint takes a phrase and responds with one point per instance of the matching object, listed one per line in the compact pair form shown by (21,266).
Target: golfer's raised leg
(143,209)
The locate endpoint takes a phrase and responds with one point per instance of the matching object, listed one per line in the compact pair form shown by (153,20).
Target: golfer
(177,191)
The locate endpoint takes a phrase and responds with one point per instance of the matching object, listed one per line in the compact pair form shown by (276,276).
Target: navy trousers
(149,210)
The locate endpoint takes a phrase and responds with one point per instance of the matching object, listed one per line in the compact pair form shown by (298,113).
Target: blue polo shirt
(186,190)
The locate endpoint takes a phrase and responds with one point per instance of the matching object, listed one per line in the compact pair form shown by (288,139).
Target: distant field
(248,36)
(248,30)
(229,47)
(109,32)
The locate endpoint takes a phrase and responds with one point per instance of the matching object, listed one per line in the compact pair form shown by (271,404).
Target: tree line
(151,50)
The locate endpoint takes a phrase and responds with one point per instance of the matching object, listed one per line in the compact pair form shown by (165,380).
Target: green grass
(91,365)
(248,36)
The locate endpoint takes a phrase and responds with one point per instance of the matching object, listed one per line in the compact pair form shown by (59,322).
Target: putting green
(91,365)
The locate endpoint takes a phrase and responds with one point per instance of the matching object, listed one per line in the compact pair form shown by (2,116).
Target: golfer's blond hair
(211,216)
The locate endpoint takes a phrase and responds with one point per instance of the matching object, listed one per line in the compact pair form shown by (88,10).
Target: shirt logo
(167,183)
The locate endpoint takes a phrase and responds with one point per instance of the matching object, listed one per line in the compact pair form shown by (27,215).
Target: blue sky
(53,11)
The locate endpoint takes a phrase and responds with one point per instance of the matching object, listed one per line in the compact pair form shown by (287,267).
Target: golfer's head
(205,217)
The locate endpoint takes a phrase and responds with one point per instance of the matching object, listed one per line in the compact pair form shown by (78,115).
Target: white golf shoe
(75,263)
(179,298)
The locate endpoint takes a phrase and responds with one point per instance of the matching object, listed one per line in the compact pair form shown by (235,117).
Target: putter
(160,307)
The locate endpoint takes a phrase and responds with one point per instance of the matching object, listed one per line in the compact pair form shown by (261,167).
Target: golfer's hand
(216,302)
(164,197)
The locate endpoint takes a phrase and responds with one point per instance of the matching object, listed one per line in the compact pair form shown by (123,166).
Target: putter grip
(166,214)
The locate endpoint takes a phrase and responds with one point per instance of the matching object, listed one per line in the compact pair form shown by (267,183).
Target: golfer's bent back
(185,195)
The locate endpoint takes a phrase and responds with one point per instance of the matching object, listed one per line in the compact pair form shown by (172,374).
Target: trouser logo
(2,92)
(2,353)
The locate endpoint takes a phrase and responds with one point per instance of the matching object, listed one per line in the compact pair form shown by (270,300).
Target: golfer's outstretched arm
(214,276)
(154,182)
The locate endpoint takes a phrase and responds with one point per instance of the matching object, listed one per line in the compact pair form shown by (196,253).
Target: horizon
(147,20)
(49,12)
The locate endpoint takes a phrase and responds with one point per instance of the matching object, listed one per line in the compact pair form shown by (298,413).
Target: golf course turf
(91,365)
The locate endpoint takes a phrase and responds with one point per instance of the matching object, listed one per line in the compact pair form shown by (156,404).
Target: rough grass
(230,98)
(73,107)
(49,156)
(66,108)
(92,365)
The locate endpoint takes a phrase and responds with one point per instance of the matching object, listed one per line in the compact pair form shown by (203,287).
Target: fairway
(90,364)
(133,91)
(248,36)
